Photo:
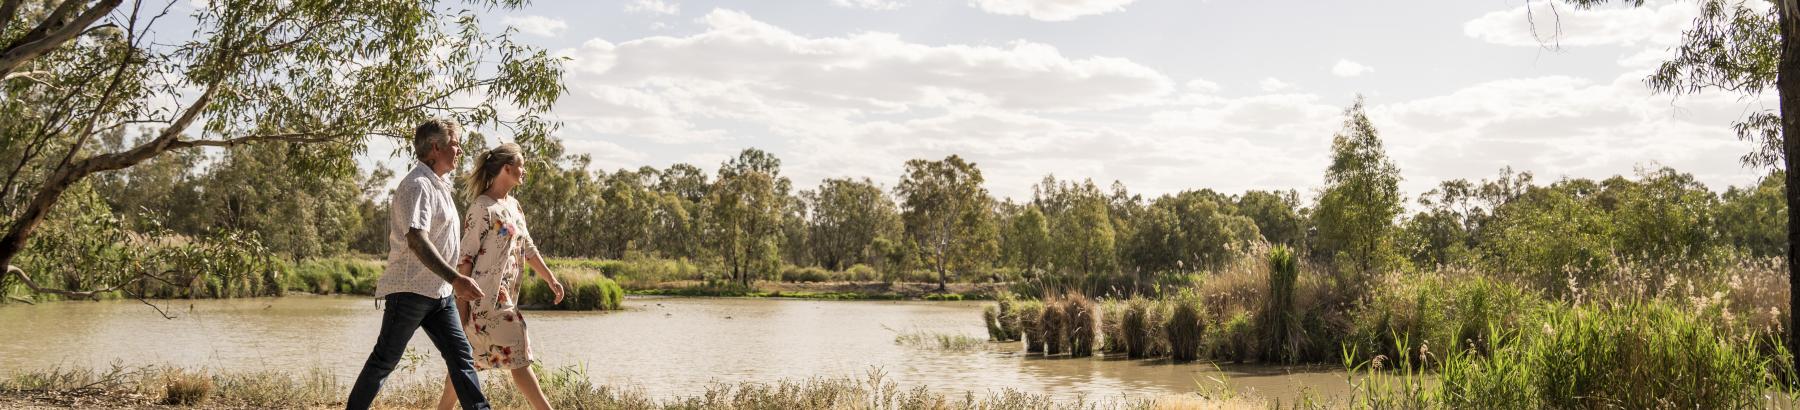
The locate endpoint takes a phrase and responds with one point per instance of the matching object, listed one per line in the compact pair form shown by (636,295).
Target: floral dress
(496,242)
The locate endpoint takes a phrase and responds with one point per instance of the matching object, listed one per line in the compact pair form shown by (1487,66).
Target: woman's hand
(556,288)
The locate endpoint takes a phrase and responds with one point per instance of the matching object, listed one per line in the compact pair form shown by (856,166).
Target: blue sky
(1162,95)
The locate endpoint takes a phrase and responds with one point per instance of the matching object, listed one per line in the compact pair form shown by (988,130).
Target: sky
(1161,95)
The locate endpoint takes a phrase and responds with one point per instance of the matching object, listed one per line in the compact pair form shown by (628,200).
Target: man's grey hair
(431,133)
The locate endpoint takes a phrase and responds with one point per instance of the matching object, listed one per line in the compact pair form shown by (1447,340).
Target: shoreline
(151,387)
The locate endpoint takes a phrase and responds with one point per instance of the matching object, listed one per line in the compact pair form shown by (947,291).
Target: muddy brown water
(665,346)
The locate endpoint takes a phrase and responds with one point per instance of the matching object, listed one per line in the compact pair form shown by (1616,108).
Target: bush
(1638,355)
(862,273)
(1002,319)
(1436,310)
(1142,326)
(1031,313)
(341,276)
(1279,322)
(991,316)
(1112,340)
(635,271)
(1081,324)
(808,274)
(1234,339)
(186,388)
(581,291)
(1054,326)
(1185,327)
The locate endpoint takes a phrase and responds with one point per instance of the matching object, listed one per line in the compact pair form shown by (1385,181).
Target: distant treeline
(748,221)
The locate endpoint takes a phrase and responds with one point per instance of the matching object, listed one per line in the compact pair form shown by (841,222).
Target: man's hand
(557,289)
(466,290)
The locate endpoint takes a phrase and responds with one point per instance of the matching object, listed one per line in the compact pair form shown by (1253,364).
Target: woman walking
(495,247)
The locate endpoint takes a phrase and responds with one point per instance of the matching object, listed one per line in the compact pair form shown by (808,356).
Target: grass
(566,387)
(185,388)
(581,291)
(1031,315)
(349,275)
(1185,327)
(1454,338)
(1142,324)
(1112,335)
(1081,324)
(937,340)
(1053,326)
(1280,323)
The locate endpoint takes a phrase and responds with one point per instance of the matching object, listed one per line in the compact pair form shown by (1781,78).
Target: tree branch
(8,11)
(52,33)
(297,137)
(72,294)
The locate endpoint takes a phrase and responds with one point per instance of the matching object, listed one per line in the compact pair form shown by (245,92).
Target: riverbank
(828,290)
(567,387)
(595,284)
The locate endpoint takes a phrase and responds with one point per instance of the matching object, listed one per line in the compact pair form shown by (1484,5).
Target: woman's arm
(537,264)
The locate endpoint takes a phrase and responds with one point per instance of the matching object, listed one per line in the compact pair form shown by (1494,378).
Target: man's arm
(427,254)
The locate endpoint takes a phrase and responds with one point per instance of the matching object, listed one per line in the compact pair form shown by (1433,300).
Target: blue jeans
(405,313)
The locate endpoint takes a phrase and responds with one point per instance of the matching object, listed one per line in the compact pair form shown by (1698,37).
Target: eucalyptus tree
(948,214)
(744,211)
(321,76)
(848,215)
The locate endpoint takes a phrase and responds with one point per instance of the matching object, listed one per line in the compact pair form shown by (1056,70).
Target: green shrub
(342,276)
(1438,311)
(1008,318)
(1142,326)
(1081,324)
(991,316)
(1279,322)
(1112,340)
(581,291)
(862,273)
(807,274)
(944,296)
(1002,319)
(1635,355)
(1031,313)
(1054,326)
(636,271)
(1234,339)
(1185,327)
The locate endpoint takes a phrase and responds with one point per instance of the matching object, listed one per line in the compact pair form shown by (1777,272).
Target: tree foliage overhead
(323,76)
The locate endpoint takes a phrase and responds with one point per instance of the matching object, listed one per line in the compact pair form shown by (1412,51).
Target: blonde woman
(495,247)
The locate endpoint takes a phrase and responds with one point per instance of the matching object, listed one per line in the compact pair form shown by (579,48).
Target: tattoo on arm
(415,239)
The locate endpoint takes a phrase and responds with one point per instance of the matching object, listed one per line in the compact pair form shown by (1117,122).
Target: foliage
(1361,199)
(948,215)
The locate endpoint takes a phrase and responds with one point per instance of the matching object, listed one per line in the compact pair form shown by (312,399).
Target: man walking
(418,282)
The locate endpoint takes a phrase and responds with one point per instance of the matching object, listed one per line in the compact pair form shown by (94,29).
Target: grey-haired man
(419,283)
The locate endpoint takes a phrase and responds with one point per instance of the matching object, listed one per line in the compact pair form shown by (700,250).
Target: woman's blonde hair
(489,165)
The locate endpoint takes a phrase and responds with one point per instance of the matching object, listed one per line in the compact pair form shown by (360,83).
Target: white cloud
(1202,85)
(1347,68)
(653,7)
(869,4)
(1272,84)
(536,25)
(1559,125)
(869,71)
(861,104)
(1051,10)
(1548,23)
